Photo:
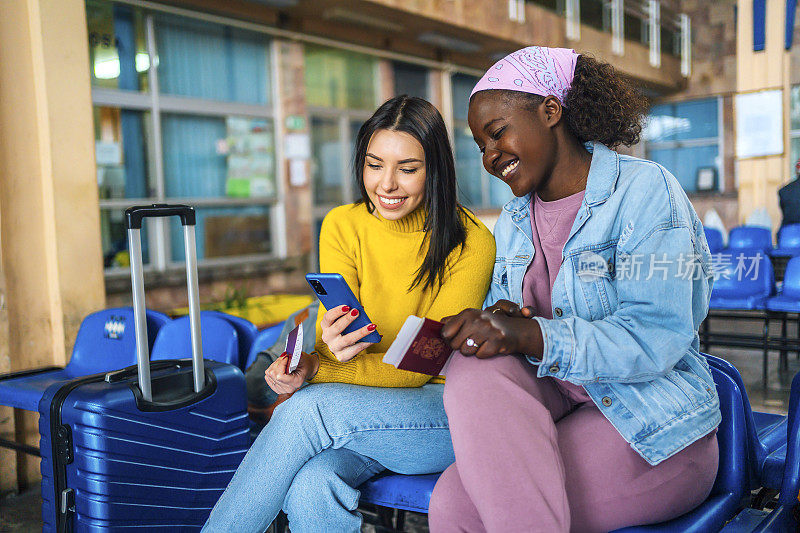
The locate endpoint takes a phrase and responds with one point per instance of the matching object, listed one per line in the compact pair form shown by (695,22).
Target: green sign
(295,122)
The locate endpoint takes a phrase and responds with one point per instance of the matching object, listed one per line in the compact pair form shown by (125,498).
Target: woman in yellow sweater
(407,247)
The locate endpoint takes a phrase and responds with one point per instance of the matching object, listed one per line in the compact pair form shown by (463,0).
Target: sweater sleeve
(465,285)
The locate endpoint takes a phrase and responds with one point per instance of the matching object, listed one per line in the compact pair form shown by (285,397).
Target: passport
(419,347)
(294,348)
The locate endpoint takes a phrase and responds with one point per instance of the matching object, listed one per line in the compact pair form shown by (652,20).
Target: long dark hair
(443,227)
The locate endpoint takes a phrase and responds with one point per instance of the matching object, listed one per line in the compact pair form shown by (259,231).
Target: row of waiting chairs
(757,238)
(106,342)
(753,446)
(755,296)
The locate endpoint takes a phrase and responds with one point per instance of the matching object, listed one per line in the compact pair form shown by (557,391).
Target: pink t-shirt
(551,223)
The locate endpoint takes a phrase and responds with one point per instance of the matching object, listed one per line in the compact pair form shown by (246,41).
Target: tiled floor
(20,513)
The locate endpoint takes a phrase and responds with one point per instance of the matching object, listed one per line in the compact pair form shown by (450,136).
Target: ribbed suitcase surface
(112,461)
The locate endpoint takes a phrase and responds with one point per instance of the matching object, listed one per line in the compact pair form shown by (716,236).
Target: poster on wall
(250,155)
(759,124)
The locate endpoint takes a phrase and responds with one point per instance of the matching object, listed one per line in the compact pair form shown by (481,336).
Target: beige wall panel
(26,192)
(776,11)
(51,257)
(74,175)
(8,460)
(760,178)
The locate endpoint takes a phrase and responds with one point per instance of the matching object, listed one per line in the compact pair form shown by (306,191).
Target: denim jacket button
(554,369)
(558,312)
(606,401)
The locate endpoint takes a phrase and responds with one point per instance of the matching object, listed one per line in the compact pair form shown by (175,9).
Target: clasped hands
(500,329)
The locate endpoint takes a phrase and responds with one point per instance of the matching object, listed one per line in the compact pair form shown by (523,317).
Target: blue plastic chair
(789,299)
(766,435)
(220,341)
(412,493)
(750,238)
(716,243)
(781,519)
(746,291)
(788,241)
(263,341)
(105,342)
(246,330)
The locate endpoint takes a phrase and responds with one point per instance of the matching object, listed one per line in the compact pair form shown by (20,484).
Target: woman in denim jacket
(579,400)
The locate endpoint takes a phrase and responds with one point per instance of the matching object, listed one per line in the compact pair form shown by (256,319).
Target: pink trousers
(532,455)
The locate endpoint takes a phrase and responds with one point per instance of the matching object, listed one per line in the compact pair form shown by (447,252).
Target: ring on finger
(497,310)
(471,343)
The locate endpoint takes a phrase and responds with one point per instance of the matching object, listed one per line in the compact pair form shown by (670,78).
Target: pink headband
(535,69)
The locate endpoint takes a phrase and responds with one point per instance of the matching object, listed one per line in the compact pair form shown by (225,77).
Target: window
(342,92)
(552,5)
(596,13)
(685,138)
(411,80)
(794,127)
(340,79)
(670,32)
(117,49)
(477,188)
(636,23)
(192,126)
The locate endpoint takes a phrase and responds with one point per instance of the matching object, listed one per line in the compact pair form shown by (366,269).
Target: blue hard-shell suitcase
(150,447)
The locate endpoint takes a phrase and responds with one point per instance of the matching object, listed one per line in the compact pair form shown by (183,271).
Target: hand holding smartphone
(332,290)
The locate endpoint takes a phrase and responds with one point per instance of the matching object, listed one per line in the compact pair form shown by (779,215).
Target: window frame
(719,141)
(135,100)
(155,103)
(793,133)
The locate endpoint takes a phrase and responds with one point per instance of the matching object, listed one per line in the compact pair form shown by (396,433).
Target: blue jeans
(324,441)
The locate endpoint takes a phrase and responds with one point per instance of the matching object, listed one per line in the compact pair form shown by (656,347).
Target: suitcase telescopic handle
(135,214)
(133,217)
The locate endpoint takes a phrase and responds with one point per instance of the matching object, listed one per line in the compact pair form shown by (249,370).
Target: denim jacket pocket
(595,271)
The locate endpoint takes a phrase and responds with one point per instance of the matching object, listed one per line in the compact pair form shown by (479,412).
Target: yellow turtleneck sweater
(379,259)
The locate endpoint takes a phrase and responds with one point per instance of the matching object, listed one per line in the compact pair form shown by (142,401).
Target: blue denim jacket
(632,290)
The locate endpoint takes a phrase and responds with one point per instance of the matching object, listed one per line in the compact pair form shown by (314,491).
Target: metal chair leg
(766,353)
(784,329)
(797,331)
(386,517)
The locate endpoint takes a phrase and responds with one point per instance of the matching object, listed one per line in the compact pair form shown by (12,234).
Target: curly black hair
(600,105)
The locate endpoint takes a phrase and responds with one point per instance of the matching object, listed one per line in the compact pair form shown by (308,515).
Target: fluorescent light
(142,62)
(450,43)
(276,3)
(107,69)
(345,15)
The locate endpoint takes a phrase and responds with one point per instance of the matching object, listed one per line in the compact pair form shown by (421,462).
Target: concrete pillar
(51,255)
(768,69)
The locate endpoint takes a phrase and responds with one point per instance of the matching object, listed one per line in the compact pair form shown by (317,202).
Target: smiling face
(394,173)
(519,145)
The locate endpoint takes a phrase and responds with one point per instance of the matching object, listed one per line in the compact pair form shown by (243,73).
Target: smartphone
(333,291)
